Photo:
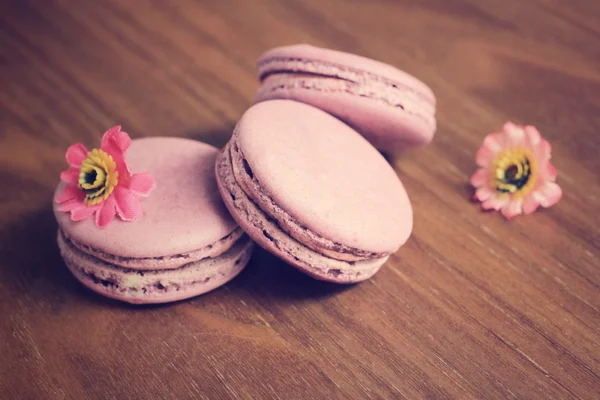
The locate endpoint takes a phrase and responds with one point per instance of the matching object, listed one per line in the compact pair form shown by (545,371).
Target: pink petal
(109,134)
(484,157)
(550,172)
(533,136)
(483,193)
(128,204)
(106,212)
(68,193)
(124,171)
(492,145)
(115,142)
(515,134)
(76,154)
(84,212)
(509,126)
(543,152)
(480,178)
(495,203)
(530,204)
(142,184)
(549,194)
(70,176)
(71,205)
(512,209)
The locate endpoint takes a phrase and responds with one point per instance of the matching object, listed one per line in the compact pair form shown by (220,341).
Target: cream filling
(113,278)
(326,69)
(290,73)
(390,96)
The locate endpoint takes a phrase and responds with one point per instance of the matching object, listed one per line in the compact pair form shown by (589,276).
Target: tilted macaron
(392,109)
(177,242)
(312,191)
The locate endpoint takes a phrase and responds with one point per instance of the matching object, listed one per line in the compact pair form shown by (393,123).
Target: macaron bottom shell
(155,286)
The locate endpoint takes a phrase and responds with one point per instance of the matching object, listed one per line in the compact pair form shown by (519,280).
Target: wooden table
(472,306)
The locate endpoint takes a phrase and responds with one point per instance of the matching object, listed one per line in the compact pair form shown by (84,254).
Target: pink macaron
(328,204)
(390,108)
(177,242)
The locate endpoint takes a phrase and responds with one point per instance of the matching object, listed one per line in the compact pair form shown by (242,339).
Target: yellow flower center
(98,177)
(514,172)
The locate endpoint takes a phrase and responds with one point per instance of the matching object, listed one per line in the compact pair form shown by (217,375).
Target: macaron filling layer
(276,65)
(288,73)
(164,262)
(294,251)
(249,183)
(390,96)
(117,281)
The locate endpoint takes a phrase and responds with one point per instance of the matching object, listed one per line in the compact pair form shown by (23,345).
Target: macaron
(177,242)
(392,109)
(311,190)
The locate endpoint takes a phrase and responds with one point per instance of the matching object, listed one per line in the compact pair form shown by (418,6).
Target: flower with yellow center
(98,177)
(99,183)
(515,175)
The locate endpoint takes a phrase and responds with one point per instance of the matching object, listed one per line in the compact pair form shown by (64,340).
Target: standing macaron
(312,191)
(142,221)
(392,109)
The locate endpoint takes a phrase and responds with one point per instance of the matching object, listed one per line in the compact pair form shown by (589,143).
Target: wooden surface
(472,306)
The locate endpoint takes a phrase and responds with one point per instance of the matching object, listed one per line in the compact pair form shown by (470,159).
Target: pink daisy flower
(515,174)
(99,182)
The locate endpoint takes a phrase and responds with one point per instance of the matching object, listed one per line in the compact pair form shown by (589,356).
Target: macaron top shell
(182,214)
(325,175)
(267,63)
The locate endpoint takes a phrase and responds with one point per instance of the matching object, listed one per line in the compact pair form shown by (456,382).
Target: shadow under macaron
(265,277)
(268,277)
(33,265)
(32,262)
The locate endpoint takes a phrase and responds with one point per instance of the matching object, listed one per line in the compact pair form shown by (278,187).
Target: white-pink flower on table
(99,181)
(515,174)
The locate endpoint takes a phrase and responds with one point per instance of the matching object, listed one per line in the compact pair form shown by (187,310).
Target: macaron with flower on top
(142,221)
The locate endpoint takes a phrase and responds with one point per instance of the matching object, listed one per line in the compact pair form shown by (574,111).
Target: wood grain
(472,306)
